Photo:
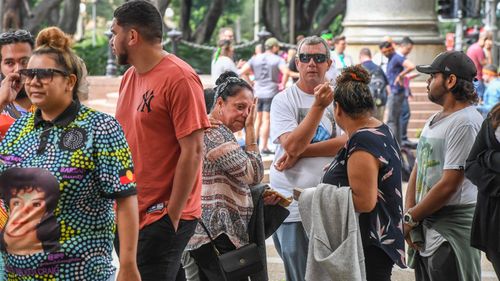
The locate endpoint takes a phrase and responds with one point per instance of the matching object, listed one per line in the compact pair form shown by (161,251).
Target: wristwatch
(408,220)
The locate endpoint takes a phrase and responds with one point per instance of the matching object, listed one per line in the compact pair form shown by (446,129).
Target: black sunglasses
(44,75)
(306,58)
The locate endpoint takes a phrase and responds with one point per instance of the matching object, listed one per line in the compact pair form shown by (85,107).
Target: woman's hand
(249,122)
(214,123)
(11,85)
(271,199)
(323,95)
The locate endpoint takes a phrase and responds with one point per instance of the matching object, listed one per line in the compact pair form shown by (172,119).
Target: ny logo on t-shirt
(146,102)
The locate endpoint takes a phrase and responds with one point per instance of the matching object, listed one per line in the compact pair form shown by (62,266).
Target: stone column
(367,22)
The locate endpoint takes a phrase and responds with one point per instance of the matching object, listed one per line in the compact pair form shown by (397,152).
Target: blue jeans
(291,243)
(405,119)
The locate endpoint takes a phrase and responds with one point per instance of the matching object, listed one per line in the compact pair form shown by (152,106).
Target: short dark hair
(17,36)
(209,94)
(406,41)
(463,90)
(339,38)
(352,92)
(365,52)
(228,85)
(385,44)
(142,16)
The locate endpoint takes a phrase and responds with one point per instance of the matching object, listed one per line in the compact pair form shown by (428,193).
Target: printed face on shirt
(52,93)
(27,208)
(312,73)
(118,42)
(31,197)
(234,111)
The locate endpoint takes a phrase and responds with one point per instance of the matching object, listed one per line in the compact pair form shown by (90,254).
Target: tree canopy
(199,20)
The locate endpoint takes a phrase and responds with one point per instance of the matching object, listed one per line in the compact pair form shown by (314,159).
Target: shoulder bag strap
(217,253)
(210,237)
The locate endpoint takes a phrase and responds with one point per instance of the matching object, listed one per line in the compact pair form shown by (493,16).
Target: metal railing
(175,38)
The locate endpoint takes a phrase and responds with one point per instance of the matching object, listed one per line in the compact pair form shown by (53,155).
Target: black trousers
(442,265)
(206,259)
(160,248)
(494,258)
(378,264)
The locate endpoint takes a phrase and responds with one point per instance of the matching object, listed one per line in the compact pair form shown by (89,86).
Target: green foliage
(95,57)
(201,60)
(336,27)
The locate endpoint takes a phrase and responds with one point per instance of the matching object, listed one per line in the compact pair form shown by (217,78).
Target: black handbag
(237,264)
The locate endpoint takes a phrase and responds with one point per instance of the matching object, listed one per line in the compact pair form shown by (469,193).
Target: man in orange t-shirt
(162,111)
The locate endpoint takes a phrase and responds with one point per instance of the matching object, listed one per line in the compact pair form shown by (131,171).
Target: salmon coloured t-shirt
(156,109)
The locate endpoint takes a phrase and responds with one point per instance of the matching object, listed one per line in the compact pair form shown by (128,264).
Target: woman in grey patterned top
(228,173)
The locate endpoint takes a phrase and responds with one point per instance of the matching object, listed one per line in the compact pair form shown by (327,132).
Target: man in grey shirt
(266,68)
(300,157)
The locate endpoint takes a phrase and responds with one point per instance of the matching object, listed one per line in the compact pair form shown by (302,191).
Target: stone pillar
(367,22)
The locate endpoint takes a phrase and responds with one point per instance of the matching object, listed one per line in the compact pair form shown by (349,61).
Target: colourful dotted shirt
(58,181)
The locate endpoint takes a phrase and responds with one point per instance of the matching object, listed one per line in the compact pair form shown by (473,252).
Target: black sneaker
(266,151)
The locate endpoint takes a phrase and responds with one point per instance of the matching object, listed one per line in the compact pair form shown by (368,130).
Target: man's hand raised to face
(323,95)
(10,86)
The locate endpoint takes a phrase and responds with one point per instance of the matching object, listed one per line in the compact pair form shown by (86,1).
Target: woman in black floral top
(370,164)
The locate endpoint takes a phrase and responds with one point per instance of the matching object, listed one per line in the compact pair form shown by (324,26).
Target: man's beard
(122,59)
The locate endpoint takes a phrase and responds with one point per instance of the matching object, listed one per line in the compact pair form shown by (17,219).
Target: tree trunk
(53,18)
(338,9)
(69,17)
(272,18)
(204,31)
(41,13)
(185,16)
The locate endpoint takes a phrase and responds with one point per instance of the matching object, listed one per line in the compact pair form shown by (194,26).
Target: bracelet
(253,143)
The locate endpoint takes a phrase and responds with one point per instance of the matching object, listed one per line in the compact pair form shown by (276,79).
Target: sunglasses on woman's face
(318,58)
(44,75)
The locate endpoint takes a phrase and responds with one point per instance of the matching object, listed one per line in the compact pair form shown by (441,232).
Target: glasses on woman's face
(44,75)
(306,58)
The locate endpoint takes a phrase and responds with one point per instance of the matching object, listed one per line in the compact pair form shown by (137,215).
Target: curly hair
(463,90)
(352,93)
(494,116)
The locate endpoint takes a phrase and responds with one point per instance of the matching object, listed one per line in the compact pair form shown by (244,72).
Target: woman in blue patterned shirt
(61,171)
(370,164)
